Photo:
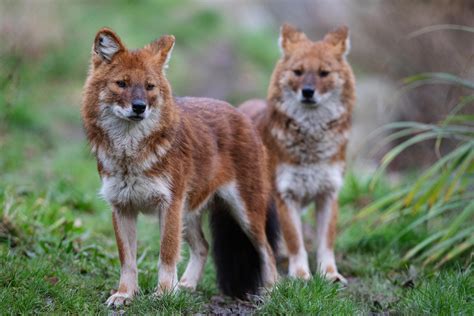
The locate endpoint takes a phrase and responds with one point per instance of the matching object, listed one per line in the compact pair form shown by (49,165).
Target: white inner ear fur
(168,57)
(107,47)
(280,44)
(347,45)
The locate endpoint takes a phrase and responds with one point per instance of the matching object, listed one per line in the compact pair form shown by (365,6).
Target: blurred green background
(57,253)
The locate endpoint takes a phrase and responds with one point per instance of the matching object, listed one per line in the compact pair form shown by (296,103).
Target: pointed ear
(162,48)
(339,38)
(107,45)
(289,36)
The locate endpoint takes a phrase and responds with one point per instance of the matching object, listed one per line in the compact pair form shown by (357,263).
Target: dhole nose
(307,92)
(138,106)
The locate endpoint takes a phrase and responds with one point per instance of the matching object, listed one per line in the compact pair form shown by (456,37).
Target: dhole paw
(119,299)
(165,289)
(335,277)
(187,285)
(300,273)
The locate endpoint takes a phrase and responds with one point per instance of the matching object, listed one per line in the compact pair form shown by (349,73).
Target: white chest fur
(141,193)
(301,183)
(308,137)
(125,183)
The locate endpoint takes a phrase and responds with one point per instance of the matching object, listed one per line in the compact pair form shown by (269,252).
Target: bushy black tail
(238,263)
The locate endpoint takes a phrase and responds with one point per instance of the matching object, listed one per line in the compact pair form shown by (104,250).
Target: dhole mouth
(128,115)
(135,118)
(308,101)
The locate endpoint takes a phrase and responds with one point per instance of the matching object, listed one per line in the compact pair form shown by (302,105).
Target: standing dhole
(305,125)
(171,158)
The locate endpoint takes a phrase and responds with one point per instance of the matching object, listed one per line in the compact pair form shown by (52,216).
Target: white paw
(270,280)
(300,273)
(187,285)
(165,289)
(336,278)
(119,299)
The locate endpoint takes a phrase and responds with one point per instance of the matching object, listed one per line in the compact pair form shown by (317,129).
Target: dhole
(304,125)
(171,158)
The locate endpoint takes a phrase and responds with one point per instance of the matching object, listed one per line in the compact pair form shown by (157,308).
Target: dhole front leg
(326,217)
(198,247)
(125,235)
(170,223)
(290,221)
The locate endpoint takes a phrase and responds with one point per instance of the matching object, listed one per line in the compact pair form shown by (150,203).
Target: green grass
(317,296)
(447,293)
(57,249)
(57,255)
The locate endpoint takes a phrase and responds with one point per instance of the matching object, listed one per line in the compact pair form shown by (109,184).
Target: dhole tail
(238,263)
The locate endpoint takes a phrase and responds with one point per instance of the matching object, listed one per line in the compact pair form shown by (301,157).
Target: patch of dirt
(221,305)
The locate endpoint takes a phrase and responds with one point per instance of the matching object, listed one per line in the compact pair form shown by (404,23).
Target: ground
(58,254)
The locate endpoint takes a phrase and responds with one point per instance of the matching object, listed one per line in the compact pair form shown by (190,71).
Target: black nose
(138,106)
(307,92)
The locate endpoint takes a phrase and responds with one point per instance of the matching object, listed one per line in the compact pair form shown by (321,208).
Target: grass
(57,255)
(447,293)
(293,297)
(57,250)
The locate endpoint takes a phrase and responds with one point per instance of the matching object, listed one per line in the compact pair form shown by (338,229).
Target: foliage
(442,197)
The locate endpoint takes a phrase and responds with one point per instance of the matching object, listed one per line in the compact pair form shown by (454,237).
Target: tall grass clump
(441,199)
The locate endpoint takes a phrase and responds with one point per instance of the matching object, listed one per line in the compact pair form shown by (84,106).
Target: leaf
(439,77)
(456,251)
(426,217)
(460,219)
(382,202)
(392,154)
(412,252)
(434,169)
(440,27)
(443,245)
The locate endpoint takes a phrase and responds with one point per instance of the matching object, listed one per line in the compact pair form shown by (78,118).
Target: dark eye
(121,83)
(323,73)
(298,72)
(150,86)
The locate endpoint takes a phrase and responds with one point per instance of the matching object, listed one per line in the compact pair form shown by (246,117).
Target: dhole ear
(339,38)
(162,48)
(289,36)
(107,45)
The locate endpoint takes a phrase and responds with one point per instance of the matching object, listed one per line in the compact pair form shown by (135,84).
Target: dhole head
(308,72)
(130,84)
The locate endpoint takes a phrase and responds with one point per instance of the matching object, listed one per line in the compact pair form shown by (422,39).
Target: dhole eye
(121,83)
(323,73)
(150,86)
(298,72)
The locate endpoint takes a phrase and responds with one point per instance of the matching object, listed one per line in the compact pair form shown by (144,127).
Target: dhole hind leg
(291,226)
(254,229)
(326,217)
(270,273)
(199,249)
(256,234)
(125,235)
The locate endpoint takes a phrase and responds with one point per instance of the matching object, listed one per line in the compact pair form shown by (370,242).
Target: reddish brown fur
(333,224)
(321,65)
(208,143)
(120,242)
(289,233)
